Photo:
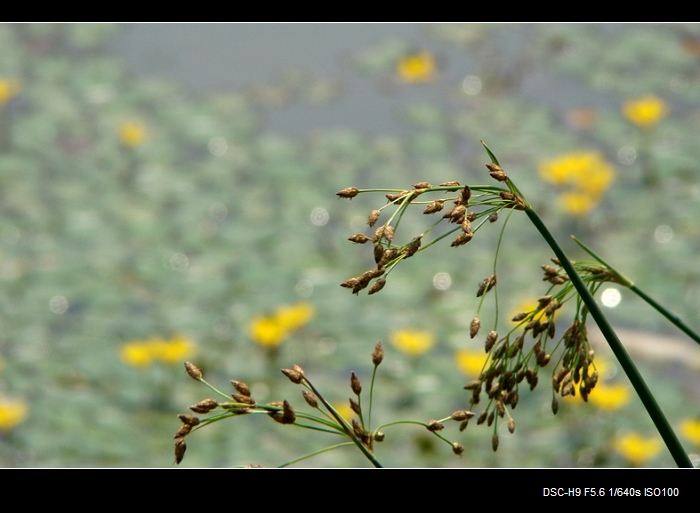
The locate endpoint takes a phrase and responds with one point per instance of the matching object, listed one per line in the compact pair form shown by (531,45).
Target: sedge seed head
(457,448)
(355,384)
(193,371)
(373,217)
(474,327)
(348,192)
(294,376)
(378,354)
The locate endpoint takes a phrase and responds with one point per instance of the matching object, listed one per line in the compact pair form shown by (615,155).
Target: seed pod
(450,184)
(412,247)
(183,431)
(466,194)
(493,217)
(357,428)
(434,425)
(474,327)
(457,448)
(241,387)
(348,192)
(355,384)
(373,217)
(490,340)
(243,399)
(421,185)
(350,283)
(494,442)
(482,418)
(555,406)
(376,287)
(188,419)
(473,385)
(204,406)
(294,376)
(511,425)
(456,215)
(358,238)
(379,436)
(180,448)
(355,406)
(309,398)
(462,239)
(461,415)
(466,226)
(193,371)
(520,316)
(389,233)
(497,172)
(378,354)
(491,418)
(435,206)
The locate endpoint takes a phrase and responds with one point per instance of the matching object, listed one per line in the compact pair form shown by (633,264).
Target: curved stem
(652,407)
(315,453)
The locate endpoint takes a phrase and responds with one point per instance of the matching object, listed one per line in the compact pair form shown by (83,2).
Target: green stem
(312,454)
(653,303)
(671,317)
(652,407)
(348,428)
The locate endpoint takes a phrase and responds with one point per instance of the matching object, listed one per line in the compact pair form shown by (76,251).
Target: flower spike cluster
(471,208)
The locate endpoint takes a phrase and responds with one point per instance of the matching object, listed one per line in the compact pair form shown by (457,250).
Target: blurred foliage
(133,211)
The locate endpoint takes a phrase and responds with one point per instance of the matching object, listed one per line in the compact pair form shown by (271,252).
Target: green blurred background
(165,189)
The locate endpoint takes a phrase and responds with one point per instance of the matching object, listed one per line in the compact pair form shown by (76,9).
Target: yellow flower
(344,410)
(178,349)
(11,413)
(470,362)
(137,354)
(271,331)
(610,397)
(585,176)
(419,67)
(637,449)
(645,112)
(9,88)
(132,134)
(412,342)
(294,317)
(690,429)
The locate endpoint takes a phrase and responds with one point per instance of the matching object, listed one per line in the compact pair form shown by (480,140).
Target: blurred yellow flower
(294,317)
(9,88)
(610,397)
(132,134)
(645,112)
(637,449)
(585,176)
(11,413)
(412,342)
(142,353)
(690,429)
(470,362)
(178,349)
(344,410)
(136,354)
(419,67)
(271,331)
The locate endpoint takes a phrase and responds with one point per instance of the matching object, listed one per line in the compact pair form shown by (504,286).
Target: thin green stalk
(671,317)
(315,453)
(662,425)
(653,303)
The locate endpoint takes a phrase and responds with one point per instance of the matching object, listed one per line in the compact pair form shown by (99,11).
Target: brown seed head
(494,442)
(435,206)
(188,419)
(376,286)
(490,340)
(434,426)
(355,406)
(373,217)
(493,217)
(412,247)
(474,327)
(243,399)
(355,384)
(293,375)
(180,448)
(358,238)
(462,239)
(193,371)
(482,418)
(461,415)
(348,192)
(378,354)
(511,425)
(204,406)
(555,406)
(497,172)
(350,283)
(357,428)
(309,398)
(378,253)
(421,185)
(183,431)
(457,448)
(241,387)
